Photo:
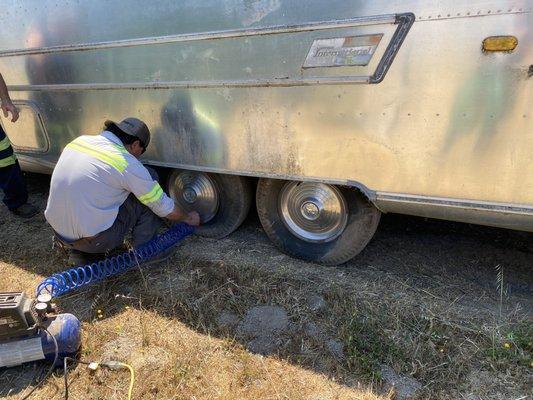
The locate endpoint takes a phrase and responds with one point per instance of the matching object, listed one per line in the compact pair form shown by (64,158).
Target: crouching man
(100,192)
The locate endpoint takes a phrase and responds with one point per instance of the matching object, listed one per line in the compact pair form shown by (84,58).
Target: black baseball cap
(133,127)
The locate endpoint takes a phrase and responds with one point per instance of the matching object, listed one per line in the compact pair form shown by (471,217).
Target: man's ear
(137,148)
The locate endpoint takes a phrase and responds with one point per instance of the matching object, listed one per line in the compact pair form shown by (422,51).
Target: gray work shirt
(93,177)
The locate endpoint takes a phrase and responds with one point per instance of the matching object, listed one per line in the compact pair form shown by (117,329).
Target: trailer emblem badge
(343,51)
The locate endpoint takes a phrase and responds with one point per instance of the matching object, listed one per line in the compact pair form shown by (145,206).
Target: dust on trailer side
(344,109)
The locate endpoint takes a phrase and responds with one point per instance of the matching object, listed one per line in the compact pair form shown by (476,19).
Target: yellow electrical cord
(132,379)
(117,365)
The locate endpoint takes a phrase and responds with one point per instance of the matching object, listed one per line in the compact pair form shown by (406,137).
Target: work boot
(25,211)
(78,258)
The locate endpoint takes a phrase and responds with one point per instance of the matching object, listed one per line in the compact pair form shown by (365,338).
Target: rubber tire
(235,198)
(363,220)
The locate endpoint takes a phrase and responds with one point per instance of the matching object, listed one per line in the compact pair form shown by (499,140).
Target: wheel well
(370,195)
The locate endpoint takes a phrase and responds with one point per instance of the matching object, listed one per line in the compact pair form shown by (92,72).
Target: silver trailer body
(396,98)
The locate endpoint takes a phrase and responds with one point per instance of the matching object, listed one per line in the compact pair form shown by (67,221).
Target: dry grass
(171,359)
(424,304)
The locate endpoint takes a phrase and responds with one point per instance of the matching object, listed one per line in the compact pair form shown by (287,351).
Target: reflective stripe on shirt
(4,143)
(153,195)
(93,177)
(115,160)
(7,157)
(10,160)
(120,148)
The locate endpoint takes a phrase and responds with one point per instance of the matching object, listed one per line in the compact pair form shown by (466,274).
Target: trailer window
(28,134)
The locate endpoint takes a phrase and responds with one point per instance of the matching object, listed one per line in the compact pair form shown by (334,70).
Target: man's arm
(192,218)
(7,104)
(138,180)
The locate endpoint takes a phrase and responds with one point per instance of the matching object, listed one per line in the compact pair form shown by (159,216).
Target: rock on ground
(316,302)
(314,331)
(404,386)
(264,325)
(264,345)
(263,321)
(335,347)
(227,320)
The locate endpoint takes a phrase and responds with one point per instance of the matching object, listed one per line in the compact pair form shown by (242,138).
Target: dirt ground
(429,310)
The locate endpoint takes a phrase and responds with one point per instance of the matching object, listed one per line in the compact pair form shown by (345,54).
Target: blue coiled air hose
(77,277)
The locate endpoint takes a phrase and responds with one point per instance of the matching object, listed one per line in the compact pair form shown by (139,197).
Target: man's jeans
(132,217)
(13,185)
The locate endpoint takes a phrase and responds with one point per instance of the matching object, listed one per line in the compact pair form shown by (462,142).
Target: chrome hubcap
(314,212)
(310,211)
(195,191)
(190,195)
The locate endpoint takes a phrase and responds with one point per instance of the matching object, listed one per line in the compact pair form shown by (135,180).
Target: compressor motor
(32,330)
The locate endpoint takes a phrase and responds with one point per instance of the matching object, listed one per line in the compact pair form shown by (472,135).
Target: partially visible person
(11,179)
(100,192)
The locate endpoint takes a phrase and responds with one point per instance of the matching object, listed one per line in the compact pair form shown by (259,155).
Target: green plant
(514,346)
(368,346)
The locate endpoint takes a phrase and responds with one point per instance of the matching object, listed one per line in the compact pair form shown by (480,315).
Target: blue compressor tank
(64,327)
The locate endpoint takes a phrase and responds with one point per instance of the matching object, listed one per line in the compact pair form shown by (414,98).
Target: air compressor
(33,329)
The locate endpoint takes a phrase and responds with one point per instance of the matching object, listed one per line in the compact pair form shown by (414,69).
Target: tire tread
(341,254)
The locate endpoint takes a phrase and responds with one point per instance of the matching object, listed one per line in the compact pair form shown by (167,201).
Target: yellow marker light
(500,43)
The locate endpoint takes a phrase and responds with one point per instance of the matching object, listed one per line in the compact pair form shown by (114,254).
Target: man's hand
(193,219)
(10,108)
(178,215)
